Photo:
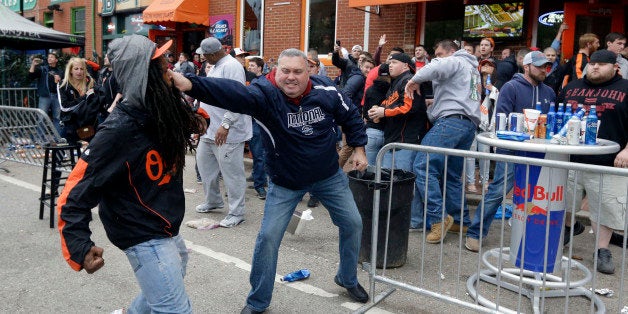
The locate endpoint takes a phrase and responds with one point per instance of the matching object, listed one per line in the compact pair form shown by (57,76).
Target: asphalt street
(36,279)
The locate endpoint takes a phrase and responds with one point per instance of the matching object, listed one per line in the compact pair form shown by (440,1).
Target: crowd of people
(302,128)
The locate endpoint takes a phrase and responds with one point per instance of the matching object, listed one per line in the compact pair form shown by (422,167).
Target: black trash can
(362,186)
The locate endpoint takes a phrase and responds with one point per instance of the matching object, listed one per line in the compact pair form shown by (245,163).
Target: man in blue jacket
(298,114)
(522,92)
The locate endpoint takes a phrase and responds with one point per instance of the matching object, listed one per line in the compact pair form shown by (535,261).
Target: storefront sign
(551,18)
(108,6)
(14,5)
(221,27)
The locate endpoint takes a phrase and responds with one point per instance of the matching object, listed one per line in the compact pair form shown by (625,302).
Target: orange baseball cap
(161,50)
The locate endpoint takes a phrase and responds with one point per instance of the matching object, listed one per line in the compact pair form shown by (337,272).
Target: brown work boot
(439,230)
(472,244)
(455,228)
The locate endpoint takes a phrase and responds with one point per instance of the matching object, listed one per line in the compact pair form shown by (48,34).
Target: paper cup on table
(531,116)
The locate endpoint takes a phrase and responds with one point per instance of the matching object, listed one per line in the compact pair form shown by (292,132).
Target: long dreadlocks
(174,121)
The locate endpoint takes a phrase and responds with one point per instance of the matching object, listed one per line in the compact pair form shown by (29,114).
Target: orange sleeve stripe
(578,65)
(75,176)
(407,105)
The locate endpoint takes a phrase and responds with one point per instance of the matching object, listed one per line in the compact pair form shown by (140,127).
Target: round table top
(603,147)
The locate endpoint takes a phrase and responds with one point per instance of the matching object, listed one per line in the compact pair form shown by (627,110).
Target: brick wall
(63,20)
(282,27)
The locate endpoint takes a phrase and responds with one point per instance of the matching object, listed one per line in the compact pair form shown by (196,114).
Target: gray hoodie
(456,81)
(130,57)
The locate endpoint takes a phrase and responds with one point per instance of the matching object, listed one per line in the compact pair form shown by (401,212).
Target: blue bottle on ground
(551,122)
(590,135)
(297,275)
(560,117)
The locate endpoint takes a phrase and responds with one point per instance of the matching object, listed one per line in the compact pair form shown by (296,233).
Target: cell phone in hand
(338,42)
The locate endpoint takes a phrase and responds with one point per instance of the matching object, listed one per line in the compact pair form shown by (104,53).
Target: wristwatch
(225,125)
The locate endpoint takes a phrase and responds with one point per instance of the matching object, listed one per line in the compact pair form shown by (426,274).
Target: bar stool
(57,157)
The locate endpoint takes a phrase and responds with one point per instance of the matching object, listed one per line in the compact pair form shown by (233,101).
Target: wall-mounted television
(499,20)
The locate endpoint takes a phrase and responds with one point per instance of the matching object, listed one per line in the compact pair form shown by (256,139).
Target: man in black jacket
(47,78)
(603,87)
(132,170)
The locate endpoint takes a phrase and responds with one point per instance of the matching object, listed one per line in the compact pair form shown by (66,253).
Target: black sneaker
(356,293)
(617,239)
(313,202)
(578,228)
(261,193)
(605,261)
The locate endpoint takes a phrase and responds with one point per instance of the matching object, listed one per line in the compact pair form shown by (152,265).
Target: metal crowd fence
(24,133)
(19,96)
(488,281)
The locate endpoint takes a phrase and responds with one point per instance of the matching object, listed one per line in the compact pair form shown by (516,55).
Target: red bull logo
(532,209)
(539,193)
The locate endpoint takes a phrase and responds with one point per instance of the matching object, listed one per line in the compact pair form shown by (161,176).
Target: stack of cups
(531,117)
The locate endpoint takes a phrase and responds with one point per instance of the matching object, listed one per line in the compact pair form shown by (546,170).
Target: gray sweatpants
(227,159)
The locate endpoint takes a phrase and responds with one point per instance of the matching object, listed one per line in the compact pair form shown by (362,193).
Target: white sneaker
(206,208)
(231,221)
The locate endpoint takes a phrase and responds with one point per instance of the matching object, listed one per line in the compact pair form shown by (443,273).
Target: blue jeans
(447,132)
(335,195)
(492,200)
(257,150)
(159,266)
(51,104)
(404,158)
(374,144)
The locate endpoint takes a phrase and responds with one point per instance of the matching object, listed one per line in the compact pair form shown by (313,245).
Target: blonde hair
(587,38)
(80,85)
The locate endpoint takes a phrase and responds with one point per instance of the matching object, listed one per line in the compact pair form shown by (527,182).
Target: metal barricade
(23,134)
(19,97)
(487,281)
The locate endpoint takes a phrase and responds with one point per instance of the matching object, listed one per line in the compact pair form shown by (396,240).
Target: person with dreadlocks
(132,170)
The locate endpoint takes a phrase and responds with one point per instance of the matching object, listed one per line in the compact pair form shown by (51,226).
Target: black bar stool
(56,158)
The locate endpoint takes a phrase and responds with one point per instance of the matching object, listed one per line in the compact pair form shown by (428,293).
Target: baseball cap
(161,50)
(402,57)
(383,70)
(535,58)
(209,45)
(603,56)
(312,61)
(488,62)
(356,48)
(239,51)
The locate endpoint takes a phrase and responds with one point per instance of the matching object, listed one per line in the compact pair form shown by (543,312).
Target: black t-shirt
(611,101)
(52,85)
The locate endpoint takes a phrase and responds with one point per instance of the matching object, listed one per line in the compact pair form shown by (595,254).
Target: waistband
(457,116)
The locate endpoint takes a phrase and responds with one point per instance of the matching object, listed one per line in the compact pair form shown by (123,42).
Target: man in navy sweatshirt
(298,114)
(522,92)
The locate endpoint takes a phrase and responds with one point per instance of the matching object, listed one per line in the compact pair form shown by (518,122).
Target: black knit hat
(383,70)
(402,57)
(603,56)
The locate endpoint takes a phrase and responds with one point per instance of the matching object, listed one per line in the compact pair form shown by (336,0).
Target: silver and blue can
(500,122)
(573,131)
(516,121)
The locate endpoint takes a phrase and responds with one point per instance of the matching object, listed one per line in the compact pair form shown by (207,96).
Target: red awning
(184,11)
(363,3)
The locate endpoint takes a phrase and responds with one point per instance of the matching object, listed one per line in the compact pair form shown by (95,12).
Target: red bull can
(500,122)
(516,121)
(538,203)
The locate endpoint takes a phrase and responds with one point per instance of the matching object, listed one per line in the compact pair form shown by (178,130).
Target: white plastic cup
(531,117)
